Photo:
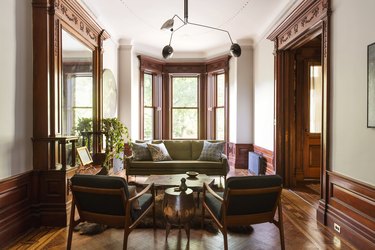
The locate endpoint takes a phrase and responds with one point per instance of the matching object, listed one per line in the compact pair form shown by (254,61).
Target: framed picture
(371,86)
(84,155)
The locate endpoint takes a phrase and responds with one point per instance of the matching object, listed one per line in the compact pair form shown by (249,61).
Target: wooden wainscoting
(268,155)
(238,154)
(350,205)
(16,199)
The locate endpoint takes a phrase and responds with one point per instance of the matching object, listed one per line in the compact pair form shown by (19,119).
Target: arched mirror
(109,94)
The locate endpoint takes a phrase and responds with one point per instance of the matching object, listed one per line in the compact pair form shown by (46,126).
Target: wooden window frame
(163,73)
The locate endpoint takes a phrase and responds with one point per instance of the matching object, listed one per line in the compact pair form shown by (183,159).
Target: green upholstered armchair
(106,200)
(246,200)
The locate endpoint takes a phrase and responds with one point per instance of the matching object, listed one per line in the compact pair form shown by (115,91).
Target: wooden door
(312,120)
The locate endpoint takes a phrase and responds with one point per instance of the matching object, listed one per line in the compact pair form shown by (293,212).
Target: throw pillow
(211,151)
(141,152)
(132,193)
(159,152)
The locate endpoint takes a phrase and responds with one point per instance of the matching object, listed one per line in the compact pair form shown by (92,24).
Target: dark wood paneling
(16,200)
(268,155)
(351,205)
(55,197)
(238,154)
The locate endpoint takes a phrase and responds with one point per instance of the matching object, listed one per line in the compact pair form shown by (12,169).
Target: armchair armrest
(149,186)
(206,187)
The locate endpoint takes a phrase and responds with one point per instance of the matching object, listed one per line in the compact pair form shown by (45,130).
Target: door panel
(313,120)
(311,168)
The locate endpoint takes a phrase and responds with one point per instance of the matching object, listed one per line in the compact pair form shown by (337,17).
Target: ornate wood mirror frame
(50,18)
(309,20)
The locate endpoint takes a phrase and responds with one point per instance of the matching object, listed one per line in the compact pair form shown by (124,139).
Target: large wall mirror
(77,84)
(67,87)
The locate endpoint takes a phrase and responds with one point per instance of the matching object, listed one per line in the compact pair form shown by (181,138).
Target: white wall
(264,94)
(352,143)
(241,97)
(129,89)
(110,61)
(16,88)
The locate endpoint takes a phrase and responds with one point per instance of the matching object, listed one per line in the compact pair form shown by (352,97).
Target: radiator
(257,164)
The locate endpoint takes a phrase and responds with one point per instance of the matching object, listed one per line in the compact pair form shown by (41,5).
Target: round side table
(179,209)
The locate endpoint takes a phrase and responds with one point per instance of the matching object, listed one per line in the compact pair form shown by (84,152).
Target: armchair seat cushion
(144,202)
(214,204)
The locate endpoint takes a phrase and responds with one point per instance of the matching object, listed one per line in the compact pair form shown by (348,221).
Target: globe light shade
(235,50)
(168,25)
(168,51)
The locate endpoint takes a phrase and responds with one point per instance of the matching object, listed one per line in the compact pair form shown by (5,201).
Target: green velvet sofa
(184,154)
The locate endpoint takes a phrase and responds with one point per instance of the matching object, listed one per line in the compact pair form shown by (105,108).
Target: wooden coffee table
(174,180)
(162,182)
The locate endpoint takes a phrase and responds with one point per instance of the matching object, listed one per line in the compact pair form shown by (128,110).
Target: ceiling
(138,22)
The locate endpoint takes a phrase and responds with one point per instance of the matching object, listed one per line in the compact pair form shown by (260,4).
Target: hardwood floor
(302,231)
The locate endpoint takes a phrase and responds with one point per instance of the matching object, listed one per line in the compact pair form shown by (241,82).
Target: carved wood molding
(308,14)
(72,13)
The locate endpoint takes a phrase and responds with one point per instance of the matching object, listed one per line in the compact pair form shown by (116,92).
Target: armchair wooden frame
(248,219)
(122,221)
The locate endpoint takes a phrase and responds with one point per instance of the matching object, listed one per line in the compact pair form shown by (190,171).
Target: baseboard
(350,205)
(16,199)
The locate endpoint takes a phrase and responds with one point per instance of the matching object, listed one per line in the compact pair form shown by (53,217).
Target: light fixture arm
(170,39)
(235,49)
(205,26)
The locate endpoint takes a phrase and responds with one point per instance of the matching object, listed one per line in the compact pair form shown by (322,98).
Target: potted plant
(117,135)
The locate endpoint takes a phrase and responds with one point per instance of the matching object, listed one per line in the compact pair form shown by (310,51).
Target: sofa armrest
(127,161)
(224,161)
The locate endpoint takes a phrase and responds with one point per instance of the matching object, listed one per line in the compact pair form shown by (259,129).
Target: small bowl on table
(192,174)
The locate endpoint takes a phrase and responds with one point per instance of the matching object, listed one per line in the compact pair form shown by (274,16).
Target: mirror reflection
(77,86)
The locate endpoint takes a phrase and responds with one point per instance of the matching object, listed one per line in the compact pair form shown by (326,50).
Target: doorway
(307,112)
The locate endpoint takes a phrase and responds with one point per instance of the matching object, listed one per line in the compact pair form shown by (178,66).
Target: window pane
(185,124)
(148,123)
(83,91)
(81,113)
(220,89)
(315,99)
(185,91)
(147,90)
(220,124)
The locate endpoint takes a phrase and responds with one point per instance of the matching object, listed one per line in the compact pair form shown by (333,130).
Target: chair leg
(71,225)
(225,236)
(126,235)
(153,216)
(281,225)
(202,219)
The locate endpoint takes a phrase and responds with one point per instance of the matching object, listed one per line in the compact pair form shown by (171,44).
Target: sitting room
(187,124)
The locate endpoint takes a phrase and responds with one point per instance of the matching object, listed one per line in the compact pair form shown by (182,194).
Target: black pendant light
(235,48)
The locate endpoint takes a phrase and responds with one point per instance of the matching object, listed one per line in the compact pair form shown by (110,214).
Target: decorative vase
(183,187)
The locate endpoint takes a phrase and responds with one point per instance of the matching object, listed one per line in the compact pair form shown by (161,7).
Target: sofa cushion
(141,152)
(176,165)
(179,149)
(159,152)
(211,151)
(196,149)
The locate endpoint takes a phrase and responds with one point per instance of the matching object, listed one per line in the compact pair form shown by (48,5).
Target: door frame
(308,20)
